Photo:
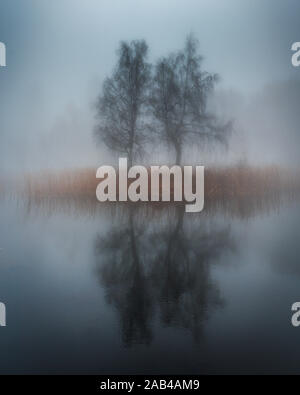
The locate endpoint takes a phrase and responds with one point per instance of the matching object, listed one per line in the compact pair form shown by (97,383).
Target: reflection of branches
(181,275)
(174,276)
(123,276)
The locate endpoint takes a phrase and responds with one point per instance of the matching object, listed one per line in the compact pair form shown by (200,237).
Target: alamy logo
(2,314)
(296,315)
(2,55)
(296,55)
(134,183)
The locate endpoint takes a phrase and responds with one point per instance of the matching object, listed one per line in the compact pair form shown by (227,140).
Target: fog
(59,52)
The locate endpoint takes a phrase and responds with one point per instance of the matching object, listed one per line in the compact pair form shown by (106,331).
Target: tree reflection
(126,280)
(160,270)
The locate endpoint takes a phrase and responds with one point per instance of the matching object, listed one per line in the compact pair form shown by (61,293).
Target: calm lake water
(131,290)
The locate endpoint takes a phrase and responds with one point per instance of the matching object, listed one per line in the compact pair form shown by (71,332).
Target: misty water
(133,289)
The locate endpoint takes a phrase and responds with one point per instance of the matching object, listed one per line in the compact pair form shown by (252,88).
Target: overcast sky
(59,51)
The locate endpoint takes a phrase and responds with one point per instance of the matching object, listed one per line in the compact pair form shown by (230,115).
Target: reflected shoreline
(243,208)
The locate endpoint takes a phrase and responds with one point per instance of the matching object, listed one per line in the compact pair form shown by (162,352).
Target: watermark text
(2,314)
(2,54)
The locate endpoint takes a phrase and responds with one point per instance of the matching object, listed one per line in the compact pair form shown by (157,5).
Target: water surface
(131,289)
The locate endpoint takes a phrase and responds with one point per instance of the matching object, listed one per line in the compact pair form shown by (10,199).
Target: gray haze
(59,52)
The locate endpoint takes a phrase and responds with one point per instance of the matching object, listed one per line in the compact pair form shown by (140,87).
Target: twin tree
(169,101)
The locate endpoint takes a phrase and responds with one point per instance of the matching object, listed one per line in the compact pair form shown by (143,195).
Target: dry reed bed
(220,183)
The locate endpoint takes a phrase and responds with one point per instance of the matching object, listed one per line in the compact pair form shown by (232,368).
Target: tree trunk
(178,150)
(130,154)
(130,158)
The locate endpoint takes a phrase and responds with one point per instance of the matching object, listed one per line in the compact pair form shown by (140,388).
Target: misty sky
(59,52)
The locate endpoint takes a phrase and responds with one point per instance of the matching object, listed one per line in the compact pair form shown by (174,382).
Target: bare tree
(179,96)
(121,105)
